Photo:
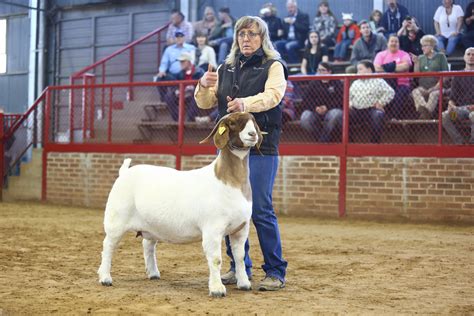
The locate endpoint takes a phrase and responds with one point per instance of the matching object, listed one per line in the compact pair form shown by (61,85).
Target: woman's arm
(206,97)
(303,66)
(437,28)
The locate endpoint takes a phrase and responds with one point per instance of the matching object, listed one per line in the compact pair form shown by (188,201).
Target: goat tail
(125,166)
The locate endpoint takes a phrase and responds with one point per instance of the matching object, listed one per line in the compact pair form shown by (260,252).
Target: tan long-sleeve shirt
(275,87)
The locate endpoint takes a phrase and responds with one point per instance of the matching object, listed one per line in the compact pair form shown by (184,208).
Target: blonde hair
(429,39)
(262,29)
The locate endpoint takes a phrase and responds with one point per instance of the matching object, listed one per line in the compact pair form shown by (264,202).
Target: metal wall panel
(113,30)
(7,9)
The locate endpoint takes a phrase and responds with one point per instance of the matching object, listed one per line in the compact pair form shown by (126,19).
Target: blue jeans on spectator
(376,119)
(289,49)
(452,42)
(222,45)
(462,113)
(340,51)
(172,102)
(263,170)
(322,126)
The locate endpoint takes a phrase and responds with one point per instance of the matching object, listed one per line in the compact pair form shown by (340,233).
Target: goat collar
(233,147)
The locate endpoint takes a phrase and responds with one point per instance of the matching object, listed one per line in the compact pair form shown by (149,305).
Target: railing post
(130,73)
(92,108)
(109,128)
(46,130)
(71,112)
(180,125)
(440,112)
(345,141)
(2,154)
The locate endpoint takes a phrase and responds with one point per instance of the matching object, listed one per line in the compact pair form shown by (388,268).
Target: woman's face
(201,40)
(209,15)
(377,17)
(448,3)
(393,44)
(313,38)
(362,70)
(249,40)
(323,9)
(427,48)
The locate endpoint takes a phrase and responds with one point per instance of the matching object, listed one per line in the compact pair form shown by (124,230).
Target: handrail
(121,50)
(27,113)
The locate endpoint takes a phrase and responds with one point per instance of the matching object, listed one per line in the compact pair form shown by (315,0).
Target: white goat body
(167,205)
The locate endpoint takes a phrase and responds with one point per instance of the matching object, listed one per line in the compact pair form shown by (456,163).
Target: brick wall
(377,188)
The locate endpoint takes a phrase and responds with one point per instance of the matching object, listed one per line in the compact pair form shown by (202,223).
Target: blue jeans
(374,116)
(340,51)
(290,49)
(313,123)
(452,42)
(263,170)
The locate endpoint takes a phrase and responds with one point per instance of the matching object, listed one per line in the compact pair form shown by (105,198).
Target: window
(3,46)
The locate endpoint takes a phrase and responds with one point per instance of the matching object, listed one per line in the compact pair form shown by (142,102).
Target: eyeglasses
(250,35)
(322,70)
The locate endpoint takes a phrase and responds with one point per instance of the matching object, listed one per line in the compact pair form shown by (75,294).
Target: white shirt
(442,18)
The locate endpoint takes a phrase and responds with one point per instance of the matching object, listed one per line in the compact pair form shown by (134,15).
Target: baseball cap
(185,56)
(178,33)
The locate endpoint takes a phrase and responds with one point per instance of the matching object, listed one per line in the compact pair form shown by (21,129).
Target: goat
(166,205)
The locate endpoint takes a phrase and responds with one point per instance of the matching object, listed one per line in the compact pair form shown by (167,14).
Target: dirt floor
(49,256)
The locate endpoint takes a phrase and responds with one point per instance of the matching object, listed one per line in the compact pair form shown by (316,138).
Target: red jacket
(353,33)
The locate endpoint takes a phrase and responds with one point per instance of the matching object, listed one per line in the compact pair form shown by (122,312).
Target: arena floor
(49,256)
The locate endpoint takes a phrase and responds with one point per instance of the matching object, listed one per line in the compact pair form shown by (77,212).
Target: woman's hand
(236,105)
(209,78)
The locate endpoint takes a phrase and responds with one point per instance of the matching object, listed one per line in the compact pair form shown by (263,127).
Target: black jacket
(301,27)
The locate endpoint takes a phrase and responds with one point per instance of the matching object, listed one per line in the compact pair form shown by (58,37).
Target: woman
(395,60)
(205,55)
(375,22)
(448,22)
(209,22)
(253,79)
(430,61)
(325,24)
(313,54)
(367,101)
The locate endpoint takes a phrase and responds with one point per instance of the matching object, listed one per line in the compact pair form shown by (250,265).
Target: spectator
(274,23)
(325,23)
(313,54)
(468,37)
(322,104)
(393,18)
(295,32)
(348,35)
(188,72)
(209,22)
(461,103)
(367,101)
(223,34)
(288,103)
(170,66)
(395,60)
(410,35)
(448,21)
(428,86)
(375,22)
(367,46)
(178,24)
(205,55)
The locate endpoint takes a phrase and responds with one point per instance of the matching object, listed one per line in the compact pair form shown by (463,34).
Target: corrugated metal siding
(7,9)
(90,34)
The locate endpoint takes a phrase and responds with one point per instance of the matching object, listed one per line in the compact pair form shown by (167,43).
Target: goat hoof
(217,294)
(155,277)
(245,288)
(106,283)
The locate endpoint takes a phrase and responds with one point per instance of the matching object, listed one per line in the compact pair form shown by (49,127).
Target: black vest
(251,79)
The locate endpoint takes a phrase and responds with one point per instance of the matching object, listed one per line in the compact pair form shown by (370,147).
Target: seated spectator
(205,55)
(409,36)
(169,65)
(313,54)
(367,101)
(348,35)
(392,19)
(367,46)
(394,60)
(448,22)
(207,25)
(268,13)
(428,86)
(375,22)
(468,37)
(223,35)
(322,101)
(188,72)
(295,33)
(288,103)
(461,103)
(325,23)
(178,24)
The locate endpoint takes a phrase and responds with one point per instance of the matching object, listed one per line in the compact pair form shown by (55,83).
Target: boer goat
(166,205)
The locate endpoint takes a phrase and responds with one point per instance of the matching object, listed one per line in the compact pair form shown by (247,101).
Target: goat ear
(213,132)
(221,138)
